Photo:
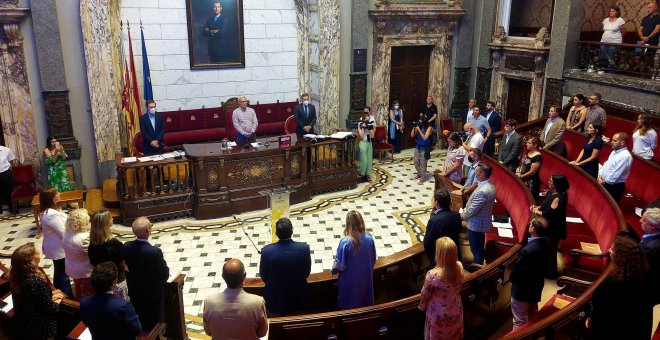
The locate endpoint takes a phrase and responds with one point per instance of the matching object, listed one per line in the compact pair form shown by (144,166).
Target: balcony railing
(640,61)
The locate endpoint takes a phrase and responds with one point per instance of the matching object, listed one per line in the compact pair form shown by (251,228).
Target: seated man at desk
(245,122)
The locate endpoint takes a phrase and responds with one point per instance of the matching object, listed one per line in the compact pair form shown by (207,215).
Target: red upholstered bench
(214,124)
(594,206)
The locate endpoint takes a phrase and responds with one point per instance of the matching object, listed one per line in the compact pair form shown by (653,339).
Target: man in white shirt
(475,141)
(7,160)
(616,169)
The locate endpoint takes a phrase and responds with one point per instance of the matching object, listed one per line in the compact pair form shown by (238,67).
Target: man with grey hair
(245,122)
(650,223)
(146,276)
(235,314)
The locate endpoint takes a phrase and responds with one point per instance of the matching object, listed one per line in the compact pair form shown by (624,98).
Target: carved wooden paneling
(461,90)
(482,94)
(358,91)
(553,93)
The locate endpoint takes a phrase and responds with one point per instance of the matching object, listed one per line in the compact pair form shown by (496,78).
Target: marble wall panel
(101,37)
(15,101)
(328,37)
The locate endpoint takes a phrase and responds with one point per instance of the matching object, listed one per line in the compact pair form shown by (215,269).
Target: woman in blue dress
(395,128)
(356,255)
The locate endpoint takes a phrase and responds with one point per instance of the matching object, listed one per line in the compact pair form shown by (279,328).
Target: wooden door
(409,79)
(517,103)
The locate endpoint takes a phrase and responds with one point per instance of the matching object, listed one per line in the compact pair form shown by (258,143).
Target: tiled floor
(394,206)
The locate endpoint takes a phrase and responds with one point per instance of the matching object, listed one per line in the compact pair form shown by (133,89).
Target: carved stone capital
(13,33)
(499,36)
(542,38)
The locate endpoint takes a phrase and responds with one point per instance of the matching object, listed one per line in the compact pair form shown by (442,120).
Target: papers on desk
(9,304)
(592,248)
(502,225)
(85,335)
(232,144)
(560,302)
(574,220)
(341,135)
(151,158)
(126,160)
(257,144)
(638,211)
(172,276)
(504,232)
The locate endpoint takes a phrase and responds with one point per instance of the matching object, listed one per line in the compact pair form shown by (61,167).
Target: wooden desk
(210,182)
(73,196)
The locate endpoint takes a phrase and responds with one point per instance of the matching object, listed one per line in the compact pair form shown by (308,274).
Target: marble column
(566,27)
(302,16)
(101,36)
(329,54)
(16,113)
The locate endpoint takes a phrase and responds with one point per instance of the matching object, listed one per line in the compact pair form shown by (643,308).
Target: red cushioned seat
(172,121)
(269,113)
(191,120)
(214,118)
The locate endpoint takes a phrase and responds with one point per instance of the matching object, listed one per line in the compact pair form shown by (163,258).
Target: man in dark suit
(443,222)
(510,146)
(527,275)
(147,274)
(152,126)
(215,29)
(650,244)
(107,316)
(495,124)
(305,114)
(284,268)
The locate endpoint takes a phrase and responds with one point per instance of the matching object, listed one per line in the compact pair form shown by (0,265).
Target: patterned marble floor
(395,208)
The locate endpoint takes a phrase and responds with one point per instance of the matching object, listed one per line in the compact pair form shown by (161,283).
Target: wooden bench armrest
(566,283)
(580,252)
(154,333)
(474,267)
(503,244)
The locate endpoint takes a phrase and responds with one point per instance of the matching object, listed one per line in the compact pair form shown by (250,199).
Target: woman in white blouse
(76,242)
(645,138)
(52,221)
(613,32)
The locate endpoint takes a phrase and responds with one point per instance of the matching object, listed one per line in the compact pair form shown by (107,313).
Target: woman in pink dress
(441,297)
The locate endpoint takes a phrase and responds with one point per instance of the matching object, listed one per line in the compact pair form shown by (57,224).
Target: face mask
(306,102)
(396,107)
(151,111)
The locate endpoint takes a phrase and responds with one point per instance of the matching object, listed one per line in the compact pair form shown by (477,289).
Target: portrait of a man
(215,33)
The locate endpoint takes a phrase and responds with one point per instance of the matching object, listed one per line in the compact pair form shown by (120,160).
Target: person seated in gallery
(245,122)
(152,127)
(284,268)
(106,315)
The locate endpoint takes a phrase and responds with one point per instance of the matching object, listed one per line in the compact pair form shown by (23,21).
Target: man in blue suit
(495,124)
(147,274)
(152,126)
(443,222)
(107,316)
(479,212)
(650,223)
(284,268)
(305,115)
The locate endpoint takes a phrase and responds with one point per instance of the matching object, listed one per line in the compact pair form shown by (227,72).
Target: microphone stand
(246,234)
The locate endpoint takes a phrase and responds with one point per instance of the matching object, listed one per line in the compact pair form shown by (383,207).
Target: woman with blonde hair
(52,221)
(356,255)
(103,247)
(645,139)
(441,297)
(76,242)
(35,305)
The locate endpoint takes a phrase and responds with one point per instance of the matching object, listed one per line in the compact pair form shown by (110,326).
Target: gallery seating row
(639,185)
(215,123)
(485,293)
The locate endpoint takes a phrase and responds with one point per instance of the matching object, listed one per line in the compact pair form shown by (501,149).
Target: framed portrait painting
(215,33)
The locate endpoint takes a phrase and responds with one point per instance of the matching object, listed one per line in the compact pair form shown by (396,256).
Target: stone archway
(413,25)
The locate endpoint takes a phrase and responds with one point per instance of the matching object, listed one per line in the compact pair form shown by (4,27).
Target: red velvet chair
(380,142)
(290,125)
(24,183)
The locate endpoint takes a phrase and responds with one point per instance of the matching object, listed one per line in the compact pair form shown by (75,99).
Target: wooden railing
(629,59)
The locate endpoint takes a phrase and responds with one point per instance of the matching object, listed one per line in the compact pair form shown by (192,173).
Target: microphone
(246,234)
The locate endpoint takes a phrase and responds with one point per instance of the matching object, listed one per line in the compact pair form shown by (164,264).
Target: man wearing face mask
(152,127)
(305,115)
